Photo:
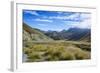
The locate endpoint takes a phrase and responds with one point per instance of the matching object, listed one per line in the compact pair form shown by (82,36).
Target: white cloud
(60,12)
(42,24)
(85,15)
(74,16)
(43,20)
(84,24)
(70,17)
(32,12)
(57,17)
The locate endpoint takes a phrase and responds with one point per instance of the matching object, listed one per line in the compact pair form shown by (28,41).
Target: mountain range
(74,34)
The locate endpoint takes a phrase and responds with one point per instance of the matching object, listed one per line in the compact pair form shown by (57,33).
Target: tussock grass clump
(55,52)
(84,47)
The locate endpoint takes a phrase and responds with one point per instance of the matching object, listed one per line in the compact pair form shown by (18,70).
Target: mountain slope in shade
(86,38)
(32,34)
(80,34)
(75,34)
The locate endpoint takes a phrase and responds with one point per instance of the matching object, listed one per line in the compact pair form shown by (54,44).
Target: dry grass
(56,51)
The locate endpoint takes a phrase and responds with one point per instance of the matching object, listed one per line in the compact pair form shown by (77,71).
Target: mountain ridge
(70,34)
(32,34)
(74,34)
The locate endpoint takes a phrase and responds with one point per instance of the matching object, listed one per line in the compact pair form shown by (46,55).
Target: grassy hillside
(32,34)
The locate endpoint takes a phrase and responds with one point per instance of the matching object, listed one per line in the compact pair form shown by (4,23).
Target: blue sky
(56,20)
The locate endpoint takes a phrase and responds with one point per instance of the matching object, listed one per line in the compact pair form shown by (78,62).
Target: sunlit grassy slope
(32,34)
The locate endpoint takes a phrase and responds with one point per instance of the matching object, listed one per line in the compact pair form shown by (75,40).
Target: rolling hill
(33,34)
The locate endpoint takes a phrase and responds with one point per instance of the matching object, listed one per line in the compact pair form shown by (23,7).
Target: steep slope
(80,34)
(74,34)
(32,34)
(86,38)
